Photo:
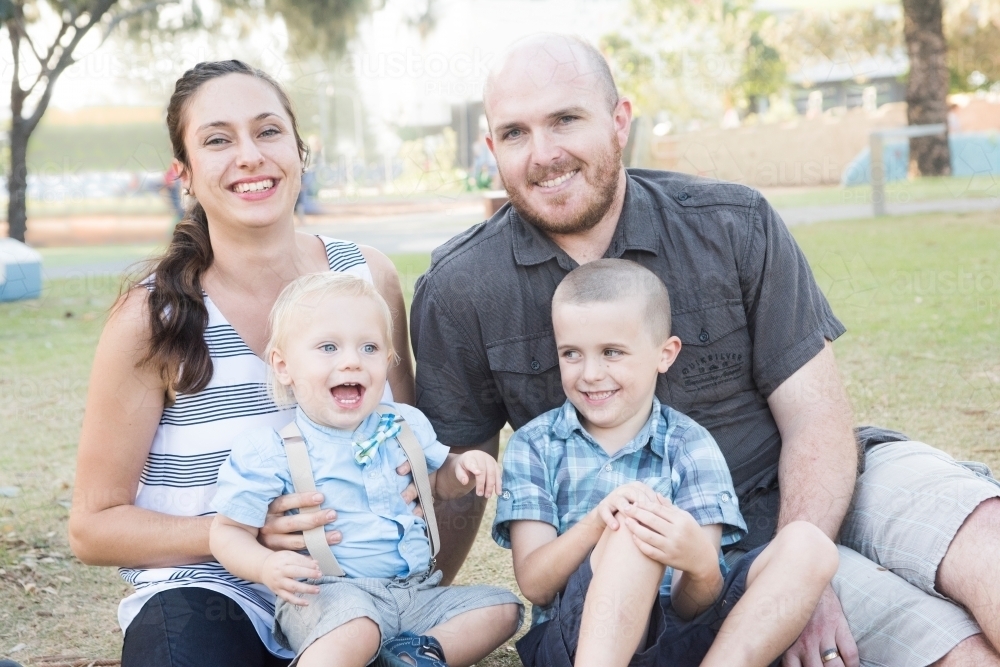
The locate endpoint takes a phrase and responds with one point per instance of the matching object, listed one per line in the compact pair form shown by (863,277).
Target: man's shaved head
(548,57)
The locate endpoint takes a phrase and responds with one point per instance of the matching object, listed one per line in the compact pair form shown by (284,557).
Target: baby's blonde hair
(326,284)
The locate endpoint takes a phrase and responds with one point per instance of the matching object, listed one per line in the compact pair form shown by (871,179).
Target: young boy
(330,351)
(616,506)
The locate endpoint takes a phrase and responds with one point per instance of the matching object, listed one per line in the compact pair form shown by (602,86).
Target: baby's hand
(483,467)
(281,570)
(621,499)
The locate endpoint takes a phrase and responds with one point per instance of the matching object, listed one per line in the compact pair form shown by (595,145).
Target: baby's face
(609,362)
(335,358)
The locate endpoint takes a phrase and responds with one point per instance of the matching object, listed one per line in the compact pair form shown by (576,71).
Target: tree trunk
(17,181)
(927,87)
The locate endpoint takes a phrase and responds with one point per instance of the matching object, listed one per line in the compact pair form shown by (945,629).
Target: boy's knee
(809,546)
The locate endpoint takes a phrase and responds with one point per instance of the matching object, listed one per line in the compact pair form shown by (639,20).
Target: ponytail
(178,316)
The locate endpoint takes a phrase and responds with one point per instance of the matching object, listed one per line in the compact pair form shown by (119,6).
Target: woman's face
(244,161)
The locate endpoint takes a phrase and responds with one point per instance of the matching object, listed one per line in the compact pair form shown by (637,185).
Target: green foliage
(70,149)
(973,59)
(320,26)
(693,60)
(763,72)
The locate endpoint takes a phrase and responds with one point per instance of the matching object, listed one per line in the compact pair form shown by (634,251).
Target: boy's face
(335,358)
(609,362)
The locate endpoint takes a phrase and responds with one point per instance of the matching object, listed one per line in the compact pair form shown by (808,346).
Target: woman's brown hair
(177,312)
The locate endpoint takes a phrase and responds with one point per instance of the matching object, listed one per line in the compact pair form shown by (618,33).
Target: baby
(330,351)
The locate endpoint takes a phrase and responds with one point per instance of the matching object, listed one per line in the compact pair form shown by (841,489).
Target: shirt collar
(363,432)
(567,423)
(635,231)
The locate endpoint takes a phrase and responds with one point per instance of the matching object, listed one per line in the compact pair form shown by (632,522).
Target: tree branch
(96,12)
(45,70)
(126,15)
(16,94)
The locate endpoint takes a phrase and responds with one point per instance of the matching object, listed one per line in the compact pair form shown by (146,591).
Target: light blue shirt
(381,536)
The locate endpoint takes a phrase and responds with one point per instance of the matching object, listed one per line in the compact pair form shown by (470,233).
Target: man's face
(557,142)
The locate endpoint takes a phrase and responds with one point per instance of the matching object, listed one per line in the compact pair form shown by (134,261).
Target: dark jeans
(672,640)
(194,627)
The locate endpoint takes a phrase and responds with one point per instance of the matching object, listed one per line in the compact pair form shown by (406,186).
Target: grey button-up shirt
(743,300)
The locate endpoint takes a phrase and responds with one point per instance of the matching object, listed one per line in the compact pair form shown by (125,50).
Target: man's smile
(558,180)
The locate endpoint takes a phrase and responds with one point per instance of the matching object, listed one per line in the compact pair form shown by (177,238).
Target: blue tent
(20,271)
(972,154)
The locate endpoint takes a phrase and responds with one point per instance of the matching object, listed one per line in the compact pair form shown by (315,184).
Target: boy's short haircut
(609,280)
(327,283)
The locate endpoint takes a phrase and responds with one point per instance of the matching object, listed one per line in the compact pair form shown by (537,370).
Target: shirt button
(506,495)
(725,497)
(703,336)
(535,365)
(373,474)
(607,468)
(683,196)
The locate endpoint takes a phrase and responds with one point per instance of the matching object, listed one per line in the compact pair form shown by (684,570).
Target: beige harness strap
(421,479)
(304,482)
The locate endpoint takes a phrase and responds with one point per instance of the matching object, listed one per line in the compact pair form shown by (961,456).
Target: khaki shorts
(908,505)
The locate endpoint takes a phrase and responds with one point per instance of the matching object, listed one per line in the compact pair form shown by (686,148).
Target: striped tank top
(191,442)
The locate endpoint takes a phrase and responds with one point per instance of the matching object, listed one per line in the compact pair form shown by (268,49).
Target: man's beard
(603,187)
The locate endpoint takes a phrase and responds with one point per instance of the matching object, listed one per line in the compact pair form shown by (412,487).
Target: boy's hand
(483,467)
(280,571)
(671,536)
(624,496)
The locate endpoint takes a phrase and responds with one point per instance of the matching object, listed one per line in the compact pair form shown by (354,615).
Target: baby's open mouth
(255,186)
(348,395)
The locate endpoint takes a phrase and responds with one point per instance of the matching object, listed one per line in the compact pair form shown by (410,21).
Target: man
(756,368)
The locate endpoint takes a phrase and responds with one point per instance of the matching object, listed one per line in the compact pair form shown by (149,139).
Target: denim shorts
(673,640)
(415,604)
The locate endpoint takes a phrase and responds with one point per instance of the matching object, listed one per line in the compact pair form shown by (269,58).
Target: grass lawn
(896,192)
(920,297)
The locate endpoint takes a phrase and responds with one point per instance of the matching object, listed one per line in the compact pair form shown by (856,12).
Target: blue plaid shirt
(554,471)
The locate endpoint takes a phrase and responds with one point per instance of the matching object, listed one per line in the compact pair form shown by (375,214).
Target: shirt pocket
(715,361)
(526,370)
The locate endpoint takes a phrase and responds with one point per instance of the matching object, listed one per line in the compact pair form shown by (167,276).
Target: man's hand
(619,499)
(284,533)
(671,536)
(483,467)
(282,569)
(826,629)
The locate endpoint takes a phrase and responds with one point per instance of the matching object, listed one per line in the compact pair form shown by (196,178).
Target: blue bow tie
(364,451)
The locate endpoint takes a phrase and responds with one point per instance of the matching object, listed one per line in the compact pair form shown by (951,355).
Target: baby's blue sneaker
(410,650)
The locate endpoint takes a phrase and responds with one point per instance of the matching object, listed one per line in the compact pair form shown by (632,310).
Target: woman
(178,373)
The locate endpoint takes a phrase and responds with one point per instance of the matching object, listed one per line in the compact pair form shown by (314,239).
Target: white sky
(404,80)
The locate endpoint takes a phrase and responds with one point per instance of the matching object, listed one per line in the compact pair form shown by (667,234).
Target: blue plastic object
(20,271)
(972,154)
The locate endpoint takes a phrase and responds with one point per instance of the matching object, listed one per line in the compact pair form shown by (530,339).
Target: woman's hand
(281,572)
(410,494)
(283,532)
